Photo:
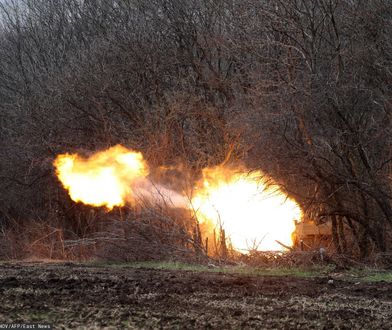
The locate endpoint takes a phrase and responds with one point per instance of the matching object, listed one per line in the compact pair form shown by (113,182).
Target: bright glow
(104,179)
(253,215)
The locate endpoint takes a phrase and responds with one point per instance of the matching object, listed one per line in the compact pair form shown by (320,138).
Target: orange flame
(253,213)
(104,179)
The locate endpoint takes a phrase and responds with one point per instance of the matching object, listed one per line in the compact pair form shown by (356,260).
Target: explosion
(107,178)
(253,213)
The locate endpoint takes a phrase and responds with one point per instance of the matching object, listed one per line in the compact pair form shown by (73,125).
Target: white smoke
(157,194)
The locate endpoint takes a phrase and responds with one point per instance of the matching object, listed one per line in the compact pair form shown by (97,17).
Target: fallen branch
(284,245)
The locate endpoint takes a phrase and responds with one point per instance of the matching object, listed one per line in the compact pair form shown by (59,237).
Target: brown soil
(75,296)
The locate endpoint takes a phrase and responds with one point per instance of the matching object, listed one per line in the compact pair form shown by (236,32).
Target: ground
(96,296)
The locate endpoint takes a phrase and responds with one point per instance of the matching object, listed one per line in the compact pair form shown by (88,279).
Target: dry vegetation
(297,88)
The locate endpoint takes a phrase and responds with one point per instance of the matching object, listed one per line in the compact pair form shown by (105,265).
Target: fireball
(253,213)
(105,178)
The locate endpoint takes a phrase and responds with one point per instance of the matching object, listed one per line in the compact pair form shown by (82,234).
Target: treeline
(300,89)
